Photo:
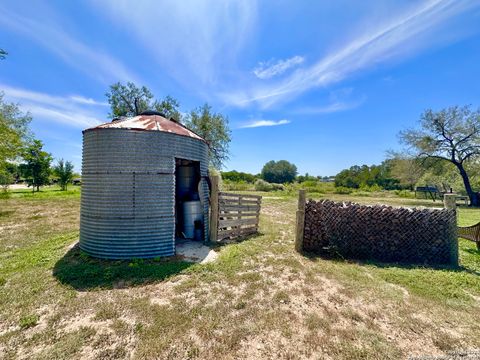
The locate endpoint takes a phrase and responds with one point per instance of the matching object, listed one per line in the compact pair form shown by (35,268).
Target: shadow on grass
(337,257)
(83,273)
(475,252)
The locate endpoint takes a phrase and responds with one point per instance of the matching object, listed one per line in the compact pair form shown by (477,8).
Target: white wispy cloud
(94,62)
(338,100)
(195,42)
(260,123)
(75,111)
(397,38)
(330,108)
(269,69)
(87,101)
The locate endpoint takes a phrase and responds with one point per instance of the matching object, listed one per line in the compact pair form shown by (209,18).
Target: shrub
(262,185)
(405,193)
(312,186)
(28,321)
(372,188)
(238,176)
(343,190)
(362,193)
(241,185)
(278,187)
(309,183)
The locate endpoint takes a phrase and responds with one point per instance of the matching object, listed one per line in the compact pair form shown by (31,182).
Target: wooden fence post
(214,209)
(450,201)
(300,221)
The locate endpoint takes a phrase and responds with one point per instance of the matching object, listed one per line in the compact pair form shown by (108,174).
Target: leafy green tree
(349,178)
(3,54)
(279,172)
(6,178)
(169,106)
(451,135)
(406,170)
(367,176)
(14,132)
(9,173)
(36,166)
(64,171)
(213,127)
(131,100)
(238,176)
(128,100)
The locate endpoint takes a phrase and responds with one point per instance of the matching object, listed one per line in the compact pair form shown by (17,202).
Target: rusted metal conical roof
(150,122)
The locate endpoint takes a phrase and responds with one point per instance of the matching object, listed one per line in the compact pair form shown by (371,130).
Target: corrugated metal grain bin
(129,204)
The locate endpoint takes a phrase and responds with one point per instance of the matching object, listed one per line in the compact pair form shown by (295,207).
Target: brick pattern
(381,233)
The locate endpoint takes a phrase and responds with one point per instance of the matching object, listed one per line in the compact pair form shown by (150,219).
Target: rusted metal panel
(128,188)
(149,123)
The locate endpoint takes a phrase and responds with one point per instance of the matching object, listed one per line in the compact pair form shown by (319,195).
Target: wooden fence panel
(238,215)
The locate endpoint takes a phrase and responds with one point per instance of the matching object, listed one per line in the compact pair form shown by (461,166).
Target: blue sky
(325,84)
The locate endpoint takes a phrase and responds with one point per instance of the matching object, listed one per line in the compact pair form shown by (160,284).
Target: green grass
(46,192)
(28,321)
(259,299)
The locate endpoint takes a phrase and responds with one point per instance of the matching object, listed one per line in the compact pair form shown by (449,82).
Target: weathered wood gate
(233,215)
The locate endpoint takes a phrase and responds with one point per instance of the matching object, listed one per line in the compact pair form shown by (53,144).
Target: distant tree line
(367,176)
(444,151)
(238,176)
(274,172)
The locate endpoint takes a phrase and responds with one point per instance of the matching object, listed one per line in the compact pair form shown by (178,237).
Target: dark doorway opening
(189,222)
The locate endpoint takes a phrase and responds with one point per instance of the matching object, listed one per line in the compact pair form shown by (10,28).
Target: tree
(349,177)
(36,166)
(131,100)
(406,170)
(9,173)
(367,176)
(64,171)
(452,135)
(169,107)
(213,127)
(237,176)
(6,178)
(279,172)
(128,100)
(3,54)
(14,134)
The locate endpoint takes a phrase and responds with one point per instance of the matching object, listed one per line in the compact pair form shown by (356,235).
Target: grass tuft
(28,321)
